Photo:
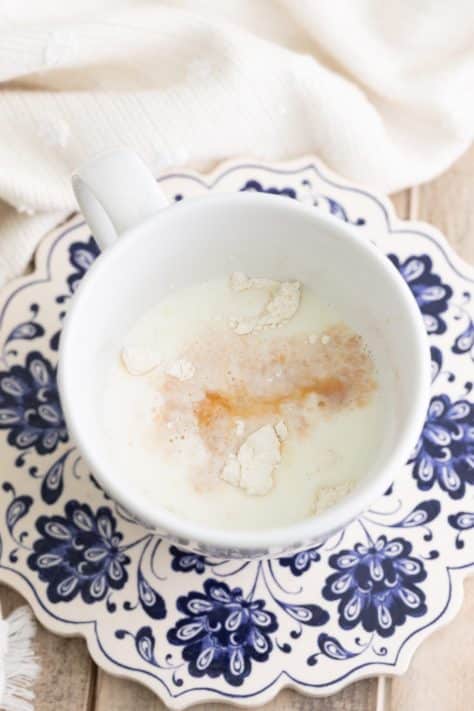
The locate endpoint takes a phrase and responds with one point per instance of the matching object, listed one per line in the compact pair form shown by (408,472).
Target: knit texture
(381,91)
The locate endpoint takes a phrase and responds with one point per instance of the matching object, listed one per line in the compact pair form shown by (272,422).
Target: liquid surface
(200,390)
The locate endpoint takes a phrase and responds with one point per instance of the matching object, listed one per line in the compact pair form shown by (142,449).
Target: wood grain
(447,203)
(441,674)
(119,695)
(67,677)
(401,203)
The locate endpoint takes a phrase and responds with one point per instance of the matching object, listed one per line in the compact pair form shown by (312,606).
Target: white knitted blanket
(381,91)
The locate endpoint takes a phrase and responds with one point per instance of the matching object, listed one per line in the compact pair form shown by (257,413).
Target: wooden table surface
(441,674)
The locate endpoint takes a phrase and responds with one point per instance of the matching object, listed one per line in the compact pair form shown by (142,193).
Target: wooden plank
(401,203)
(440,676)
(122,695)
(447,203)
(441,673)
(67,675)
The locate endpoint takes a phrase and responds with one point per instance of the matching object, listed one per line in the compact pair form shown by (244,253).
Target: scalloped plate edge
(85,630)
(307,162)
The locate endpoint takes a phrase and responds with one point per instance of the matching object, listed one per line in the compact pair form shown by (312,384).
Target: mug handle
(116,191)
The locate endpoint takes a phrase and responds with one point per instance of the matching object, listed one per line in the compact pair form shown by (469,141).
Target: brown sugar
(260,381)
(242,404)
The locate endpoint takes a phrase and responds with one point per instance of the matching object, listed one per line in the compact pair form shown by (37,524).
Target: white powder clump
(231,471)
(312,339)
(252,469)
(283,305)
(241,282)
(239,428)
(283,302)
(325,339)
(139,361)
(328,496)
(181,369)
(282,430)
(243,327)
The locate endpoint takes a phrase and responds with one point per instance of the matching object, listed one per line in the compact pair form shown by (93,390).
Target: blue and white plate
(195,629)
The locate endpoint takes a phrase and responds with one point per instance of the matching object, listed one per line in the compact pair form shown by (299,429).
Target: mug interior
(210,237)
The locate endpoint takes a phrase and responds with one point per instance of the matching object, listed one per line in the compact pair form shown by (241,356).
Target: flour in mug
(242,403)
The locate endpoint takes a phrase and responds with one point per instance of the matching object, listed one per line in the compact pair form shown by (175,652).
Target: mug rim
(309,529)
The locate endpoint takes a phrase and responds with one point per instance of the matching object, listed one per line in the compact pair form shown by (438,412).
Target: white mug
(148,246)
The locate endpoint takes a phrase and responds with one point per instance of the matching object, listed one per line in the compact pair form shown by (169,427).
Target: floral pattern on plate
(194,628)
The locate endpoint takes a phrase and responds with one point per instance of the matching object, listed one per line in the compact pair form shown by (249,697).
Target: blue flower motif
(79,553)
(222,632)
(185,561)
(464,343)
(30,407)
(26,331)
(302,561)
(81,256)
(431,294)
(376,585)
(462,521)
(445,450)
(256,187)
